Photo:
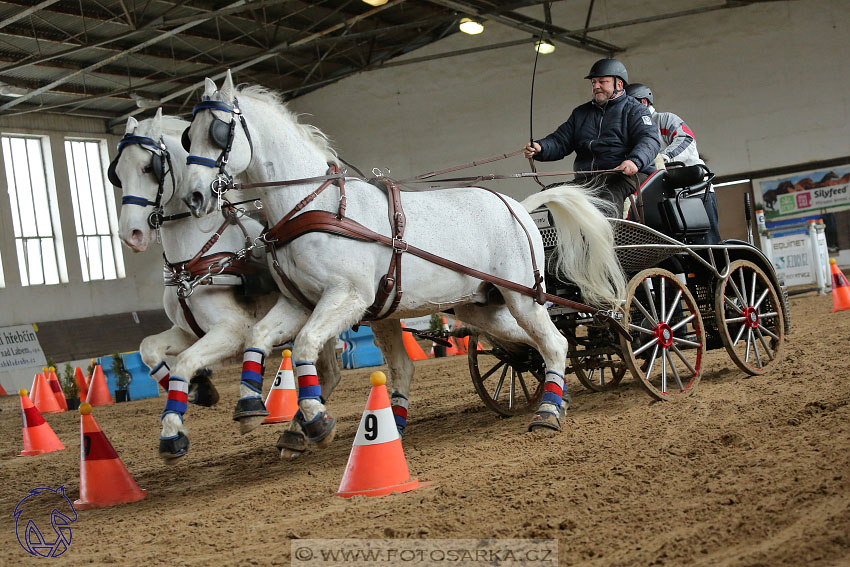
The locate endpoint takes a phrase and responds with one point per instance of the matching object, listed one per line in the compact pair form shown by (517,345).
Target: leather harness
(293,225)
(175,274)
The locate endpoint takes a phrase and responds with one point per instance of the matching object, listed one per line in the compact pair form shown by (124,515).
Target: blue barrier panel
(141,385)
(360,349)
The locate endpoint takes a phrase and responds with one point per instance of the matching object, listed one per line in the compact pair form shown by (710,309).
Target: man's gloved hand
(659,162)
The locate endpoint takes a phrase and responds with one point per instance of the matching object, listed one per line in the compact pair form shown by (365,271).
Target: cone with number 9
(376,465)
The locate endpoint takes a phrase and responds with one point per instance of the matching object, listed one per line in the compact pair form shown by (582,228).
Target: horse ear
(156,124)
(226,91)
(209,87)
(132,124)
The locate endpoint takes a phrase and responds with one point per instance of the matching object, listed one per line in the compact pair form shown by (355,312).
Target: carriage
(682,300)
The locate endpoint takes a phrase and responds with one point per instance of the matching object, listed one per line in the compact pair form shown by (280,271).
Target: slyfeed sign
(806,193)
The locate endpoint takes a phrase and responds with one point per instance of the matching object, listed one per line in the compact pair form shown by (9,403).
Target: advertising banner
(805,193)
(19,348)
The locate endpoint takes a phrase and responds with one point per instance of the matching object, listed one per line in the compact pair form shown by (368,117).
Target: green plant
(436,323)
(90,370)
(68,383)
(122,375)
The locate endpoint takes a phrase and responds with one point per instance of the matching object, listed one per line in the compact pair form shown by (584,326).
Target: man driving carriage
(611,132)
(678,144)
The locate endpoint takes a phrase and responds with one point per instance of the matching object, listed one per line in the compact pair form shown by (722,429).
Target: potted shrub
(123,377)
(69,387)
(436,326)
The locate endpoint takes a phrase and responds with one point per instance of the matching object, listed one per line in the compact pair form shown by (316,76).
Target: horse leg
(155,348)
(339,307)
(216,345)
(280,323)
(552,346)
(389,339)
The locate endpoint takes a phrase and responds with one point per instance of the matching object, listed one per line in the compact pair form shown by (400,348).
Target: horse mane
(308,131)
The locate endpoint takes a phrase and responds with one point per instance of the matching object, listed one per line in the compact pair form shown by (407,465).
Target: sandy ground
(748,472)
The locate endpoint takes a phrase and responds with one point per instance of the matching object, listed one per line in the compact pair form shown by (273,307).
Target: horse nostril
(195,202)
(136,237)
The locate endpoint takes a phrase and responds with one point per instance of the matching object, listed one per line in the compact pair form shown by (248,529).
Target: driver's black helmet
(609,68)
(640,91)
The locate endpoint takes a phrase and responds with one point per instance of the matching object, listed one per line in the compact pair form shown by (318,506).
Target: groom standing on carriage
(613,137)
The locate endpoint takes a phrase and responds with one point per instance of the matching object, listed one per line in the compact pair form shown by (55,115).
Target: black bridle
(160,167)
(222,134)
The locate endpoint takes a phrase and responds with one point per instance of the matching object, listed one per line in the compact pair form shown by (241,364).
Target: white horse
(340,276)
(147,173)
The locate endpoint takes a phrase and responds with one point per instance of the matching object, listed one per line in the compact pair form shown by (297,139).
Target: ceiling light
(470,26)
(543,46)
(12,91)
(375,2)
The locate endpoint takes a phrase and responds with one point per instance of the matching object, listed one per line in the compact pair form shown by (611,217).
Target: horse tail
(585,242)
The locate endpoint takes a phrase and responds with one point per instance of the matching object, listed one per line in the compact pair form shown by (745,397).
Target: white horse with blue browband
(223,315)
(340,276)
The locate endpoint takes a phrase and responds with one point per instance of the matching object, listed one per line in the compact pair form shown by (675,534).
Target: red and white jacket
(678,142)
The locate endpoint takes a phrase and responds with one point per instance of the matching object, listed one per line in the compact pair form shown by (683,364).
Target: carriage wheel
(668,337)
(598,372)
(507,383)
(749,317)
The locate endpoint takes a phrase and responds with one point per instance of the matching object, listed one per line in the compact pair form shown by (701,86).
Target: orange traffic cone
(98,390)
(104,480)
(376,465)
(3,391)
(840,288)
(282,401)
(82,385)
(414,351)
(34,387)
(44,399)
(56,388)
(450,350)
(38,436)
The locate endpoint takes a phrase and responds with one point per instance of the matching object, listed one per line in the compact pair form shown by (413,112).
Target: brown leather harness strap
(190,317)
(388,282)
(322,221)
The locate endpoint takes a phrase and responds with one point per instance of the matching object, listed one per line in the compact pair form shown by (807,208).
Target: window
(94,212)
(35,215)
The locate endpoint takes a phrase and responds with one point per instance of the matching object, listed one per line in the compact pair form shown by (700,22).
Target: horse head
(219,146)
(145,171)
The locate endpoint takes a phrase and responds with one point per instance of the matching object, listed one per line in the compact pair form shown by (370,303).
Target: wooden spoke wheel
(597,366)
(668,338)
(749,317)
(508,383)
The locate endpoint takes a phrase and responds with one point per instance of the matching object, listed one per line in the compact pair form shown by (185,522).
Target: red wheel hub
(664,334)
(751,317)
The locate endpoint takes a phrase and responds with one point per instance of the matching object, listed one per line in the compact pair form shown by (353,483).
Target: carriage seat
(669,204)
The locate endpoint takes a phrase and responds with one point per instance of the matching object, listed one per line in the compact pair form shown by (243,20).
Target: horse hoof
(171,448)
(290,454)
(319,429)
(202,392)
(327,439)
(292,440)
(250,423)
(544,421)
(249,407)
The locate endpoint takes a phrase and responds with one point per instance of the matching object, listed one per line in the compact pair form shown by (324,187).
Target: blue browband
(211,105)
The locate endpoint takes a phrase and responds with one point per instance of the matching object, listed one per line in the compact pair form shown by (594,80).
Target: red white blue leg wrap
(308,381)
(399,405)
(161,373)
(178,397)
(252,370)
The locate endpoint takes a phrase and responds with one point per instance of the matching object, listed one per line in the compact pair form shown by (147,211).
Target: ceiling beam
(530,25)
(216,74)
(105,61)
(27,12)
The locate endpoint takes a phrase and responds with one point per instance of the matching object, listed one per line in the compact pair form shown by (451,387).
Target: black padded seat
(666,205)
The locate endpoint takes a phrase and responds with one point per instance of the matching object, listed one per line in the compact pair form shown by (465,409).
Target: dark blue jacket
(604,136)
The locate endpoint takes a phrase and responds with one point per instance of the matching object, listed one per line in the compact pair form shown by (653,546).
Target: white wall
(761,86)
(140,290)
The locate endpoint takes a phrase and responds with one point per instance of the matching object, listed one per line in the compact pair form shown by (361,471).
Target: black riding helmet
(640,91)
(609,68)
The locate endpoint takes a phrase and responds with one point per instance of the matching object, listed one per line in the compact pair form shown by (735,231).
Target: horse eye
(147,169)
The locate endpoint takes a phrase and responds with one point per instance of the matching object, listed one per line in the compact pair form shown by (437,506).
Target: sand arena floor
(747,472)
